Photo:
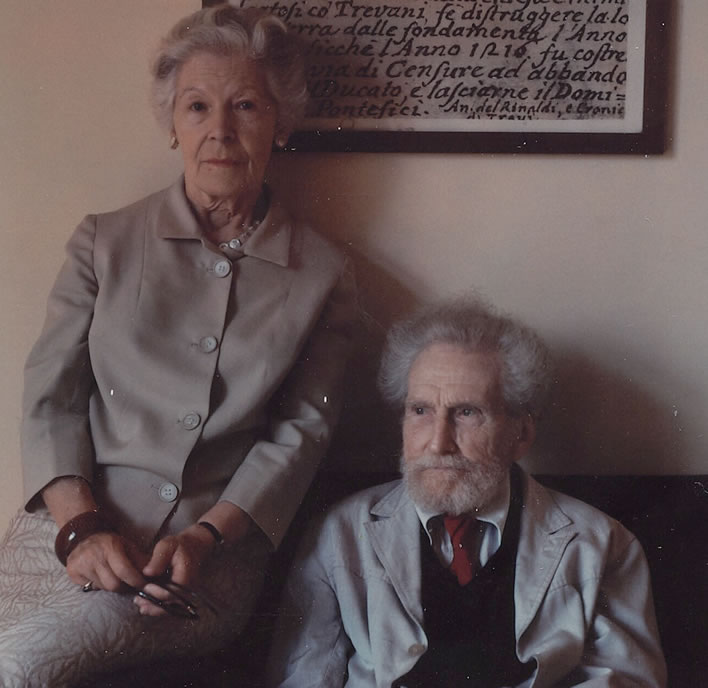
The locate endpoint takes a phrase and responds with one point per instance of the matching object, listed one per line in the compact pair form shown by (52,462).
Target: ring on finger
(87,586)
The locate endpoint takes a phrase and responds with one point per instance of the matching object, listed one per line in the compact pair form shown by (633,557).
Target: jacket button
(416,649)
(168,492)
(222,268)
(208,344)
(191,421)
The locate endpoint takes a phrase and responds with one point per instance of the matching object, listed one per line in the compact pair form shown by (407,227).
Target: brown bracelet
(77,529)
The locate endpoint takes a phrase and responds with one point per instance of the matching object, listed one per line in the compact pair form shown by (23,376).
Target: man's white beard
(468,487)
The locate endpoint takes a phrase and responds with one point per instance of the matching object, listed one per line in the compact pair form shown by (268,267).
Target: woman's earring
(173,142)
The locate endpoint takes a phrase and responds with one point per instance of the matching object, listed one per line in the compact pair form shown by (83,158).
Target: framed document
(555,76)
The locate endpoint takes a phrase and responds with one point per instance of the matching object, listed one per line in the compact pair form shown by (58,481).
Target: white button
(235,243)
(208,344)
(222,268)
(191,421)
(416,649)
(168,492)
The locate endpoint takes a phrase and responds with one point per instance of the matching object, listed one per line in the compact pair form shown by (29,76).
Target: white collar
(495,512)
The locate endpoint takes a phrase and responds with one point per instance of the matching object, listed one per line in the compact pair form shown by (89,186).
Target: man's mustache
(439,461)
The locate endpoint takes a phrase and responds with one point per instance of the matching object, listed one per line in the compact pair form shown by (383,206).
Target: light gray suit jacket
(170,377)
(353,614)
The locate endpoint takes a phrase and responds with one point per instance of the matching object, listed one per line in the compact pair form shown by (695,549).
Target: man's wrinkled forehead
(447,373)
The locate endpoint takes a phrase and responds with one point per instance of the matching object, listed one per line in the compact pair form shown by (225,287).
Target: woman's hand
(183,555)
(104,559)
(108,561)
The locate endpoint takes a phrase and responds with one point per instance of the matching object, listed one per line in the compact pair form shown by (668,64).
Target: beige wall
(606,256)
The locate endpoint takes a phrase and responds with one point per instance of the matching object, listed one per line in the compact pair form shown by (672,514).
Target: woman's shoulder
(140,208)
(310,245)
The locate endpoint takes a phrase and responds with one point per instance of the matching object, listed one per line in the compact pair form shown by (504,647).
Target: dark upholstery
(669,515)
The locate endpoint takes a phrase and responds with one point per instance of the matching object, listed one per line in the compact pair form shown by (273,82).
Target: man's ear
(526,434)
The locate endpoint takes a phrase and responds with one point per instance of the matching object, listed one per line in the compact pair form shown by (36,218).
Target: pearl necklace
(237,242)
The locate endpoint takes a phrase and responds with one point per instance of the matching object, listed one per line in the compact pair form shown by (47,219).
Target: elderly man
(467,572)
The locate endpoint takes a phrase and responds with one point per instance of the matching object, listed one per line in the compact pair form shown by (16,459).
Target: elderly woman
(184,386)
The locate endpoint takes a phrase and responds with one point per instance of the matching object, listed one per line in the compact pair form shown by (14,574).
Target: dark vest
(470,629)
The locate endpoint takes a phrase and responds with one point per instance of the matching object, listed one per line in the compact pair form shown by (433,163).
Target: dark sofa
(669,515)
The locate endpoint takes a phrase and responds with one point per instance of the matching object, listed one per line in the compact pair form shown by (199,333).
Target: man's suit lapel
(545,533)
(395,538)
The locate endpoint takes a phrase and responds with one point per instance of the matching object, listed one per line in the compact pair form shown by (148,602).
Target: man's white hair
(525,363)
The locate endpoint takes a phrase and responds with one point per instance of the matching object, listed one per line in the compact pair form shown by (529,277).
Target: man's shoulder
(340,533)
(584,518)
(363,503)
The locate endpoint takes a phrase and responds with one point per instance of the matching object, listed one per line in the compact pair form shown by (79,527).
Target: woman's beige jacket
(171,377)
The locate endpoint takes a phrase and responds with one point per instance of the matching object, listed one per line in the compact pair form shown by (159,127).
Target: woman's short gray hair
(526,368)
(228,30)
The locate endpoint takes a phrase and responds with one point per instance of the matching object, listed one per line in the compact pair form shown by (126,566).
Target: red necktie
(463,534)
